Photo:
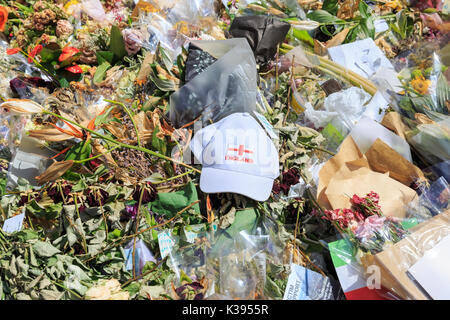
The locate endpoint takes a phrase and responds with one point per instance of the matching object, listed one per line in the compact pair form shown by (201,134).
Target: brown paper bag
(393,121)
(348,151)
(351,179)
(383,158)
(395,261)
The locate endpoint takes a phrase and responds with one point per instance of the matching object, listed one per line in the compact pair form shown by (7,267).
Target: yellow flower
(420,84)
(394,4)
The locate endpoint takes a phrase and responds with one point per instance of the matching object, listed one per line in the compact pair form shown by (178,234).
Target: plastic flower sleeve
(142,256)
(229,84)
(433,200)
(403,267)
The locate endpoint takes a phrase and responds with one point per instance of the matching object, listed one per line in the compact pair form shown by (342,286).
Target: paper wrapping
(395,261)
(350,172)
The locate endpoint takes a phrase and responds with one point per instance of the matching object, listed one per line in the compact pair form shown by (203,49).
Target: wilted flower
(64,28)
(290,177)
(132,210)
(96,197)
(56,192)
(149,194)
(133,40)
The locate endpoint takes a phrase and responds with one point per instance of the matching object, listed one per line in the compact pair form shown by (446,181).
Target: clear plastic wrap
(166,26)
(227,86)
(373,258)
(434,199)
(142,256)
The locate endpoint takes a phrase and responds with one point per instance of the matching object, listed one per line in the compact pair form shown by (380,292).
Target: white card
(432,271)
(380,25)
(362,57)
(14,224)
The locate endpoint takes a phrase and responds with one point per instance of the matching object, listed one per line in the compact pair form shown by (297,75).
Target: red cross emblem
(241,150)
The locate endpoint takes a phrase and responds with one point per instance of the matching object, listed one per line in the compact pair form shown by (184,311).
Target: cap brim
(214,180)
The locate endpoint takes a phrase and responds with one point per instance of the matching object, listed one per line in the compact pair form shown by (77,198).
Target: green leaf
(168,204)
(48,212)
(104,56)
(64,83)
(158,143)
(364,9)
(304,36)
(103,117)
(48,55)
(325,30)
(45,249)
(368,27)
(133,288)
(80,151)
(100,72)
(331,6)
(27,234)
(323,16)
(117,44)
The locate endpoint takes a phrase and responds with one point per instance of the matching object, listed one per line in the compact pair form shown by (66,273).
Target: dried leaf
(50,134)
(144,126)
(55,171)
(347,9)
(100,149)
(319,48)
(423,119)
(227,219)
(338,39)
(22,106)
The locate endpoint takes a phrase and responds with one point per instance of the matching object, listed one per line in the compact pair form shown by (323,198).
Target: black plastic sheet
(263,33)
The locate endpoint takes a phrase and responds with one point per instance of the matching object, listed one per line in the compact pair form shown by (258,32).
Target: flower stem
(174,178)
(136,230)
(150,152)
(97,156)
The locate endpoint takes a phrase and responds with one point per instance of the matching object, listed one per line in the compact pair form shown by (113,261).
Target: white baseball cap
(237,157)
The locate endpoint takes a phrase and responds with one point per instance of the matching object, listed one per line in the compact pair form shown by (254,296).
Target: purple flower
(132,210)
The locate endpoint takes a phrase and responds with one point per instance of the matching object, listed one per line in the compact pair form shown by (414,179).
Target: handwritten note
(364,58)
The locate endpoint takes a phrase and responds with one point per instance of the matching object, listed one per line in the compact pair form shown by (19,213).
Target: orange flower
(3,18)
(68,52)
(12,51)
(420,84)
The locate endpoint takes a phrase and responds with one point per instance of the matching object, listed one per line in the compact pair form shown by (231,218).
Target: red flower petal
(34,52)
(68,52)
(75,69)
(12,51)
(3,18)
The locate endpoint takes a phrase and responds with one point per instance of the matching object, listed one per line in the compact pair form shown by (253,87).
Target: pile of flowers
(366,225)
